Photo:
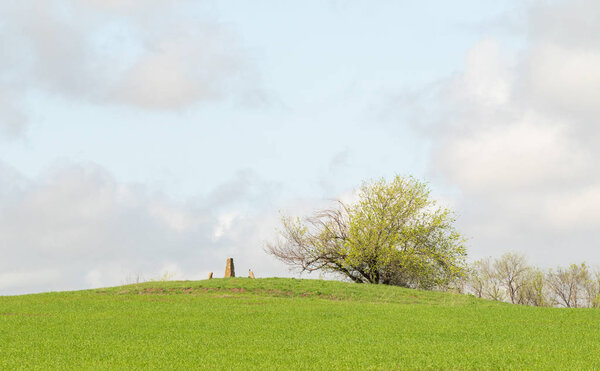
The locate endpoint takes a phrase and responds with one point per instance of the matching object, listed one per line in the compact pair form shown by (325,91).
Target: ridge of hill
(293,288)
(281,323)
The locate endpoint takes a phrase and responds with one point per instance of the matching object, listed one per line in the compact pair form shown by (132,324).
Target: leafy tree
(534,290)
(393,234)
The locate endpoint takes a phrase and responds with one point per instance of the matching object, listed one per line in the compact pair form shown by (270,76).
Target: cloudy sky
(140,138)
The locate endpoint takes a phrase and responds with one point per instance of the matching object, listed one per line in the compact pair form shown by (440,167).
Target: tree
(511,269)
(534,289)
(485,282)
(478,280)
(592,289)
(568,284)
(393,234)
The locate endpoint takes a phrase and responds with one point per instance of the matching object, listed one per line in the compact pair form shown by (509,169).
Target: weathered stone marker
(251,273)
(210,275)
(229,270)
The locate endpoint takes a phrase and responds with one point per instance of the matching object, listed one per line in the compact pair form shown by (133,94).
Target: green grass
(278,323)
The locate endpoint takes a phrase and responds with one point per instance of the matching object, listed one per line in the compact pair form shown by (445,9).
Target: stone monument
(229,270)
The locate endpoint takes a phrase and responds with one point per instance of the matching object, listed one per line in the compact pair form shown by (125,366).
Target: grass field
(278,323)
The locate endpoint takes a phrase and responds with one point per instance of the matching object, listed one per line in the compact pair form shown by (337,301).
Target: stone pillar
(229,270)
(251,274)
(210,275)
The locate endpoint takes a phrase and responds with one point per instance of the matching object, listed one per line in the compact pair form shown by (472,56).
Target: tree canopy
(394,233)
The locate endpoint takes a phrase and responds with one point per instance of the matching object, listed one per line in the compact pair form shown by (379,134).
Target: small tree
(485,282)
(534,290)
(592,289)
(568,284)
(511,269)
(477,279)
(394,234)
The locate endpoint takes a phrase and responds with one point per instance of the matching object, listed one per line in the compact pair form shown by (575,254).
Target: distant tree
(512,279)
(393,234)
(485,282)
(592,289)
(568,285)
(534,289)
(511,269)
(477,280)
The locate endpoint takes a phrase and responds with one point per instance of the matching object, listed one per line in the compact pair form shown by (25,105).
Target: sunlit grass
(286,323)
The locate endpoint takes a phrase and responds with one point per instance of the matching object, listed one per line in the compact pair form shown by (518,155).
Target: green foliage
(533,289)
(268,324)
(394,234)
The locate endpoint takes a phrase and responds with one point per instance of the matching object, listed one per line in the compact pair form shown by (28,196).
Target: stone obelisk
(229,270)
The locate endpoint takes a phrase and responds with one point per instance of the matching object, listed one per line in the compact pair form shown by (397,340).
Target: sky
(142,139)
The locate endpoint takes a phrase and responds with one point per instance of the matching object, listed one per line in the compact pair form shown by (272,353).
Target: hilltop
(276,323)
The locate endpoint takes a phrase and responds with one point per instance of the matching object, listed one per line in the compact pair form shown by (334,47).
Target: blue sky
(146,137)
(321,70)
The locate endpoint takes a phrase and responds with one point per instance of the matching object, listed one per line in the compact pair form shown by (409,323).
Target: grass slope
(278,323)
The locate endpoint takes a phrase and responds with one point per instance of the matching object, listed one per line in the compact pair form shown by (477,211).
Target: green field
(278,323)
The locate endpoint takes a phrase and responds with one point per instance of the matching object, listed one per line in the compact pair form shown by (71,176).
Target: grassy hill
(278,323)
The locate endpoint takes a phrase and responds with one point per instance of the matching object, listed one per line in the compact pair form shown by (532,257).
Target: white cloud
(513,155)
(517,135)
(121,6)
(181,69)
(89,229)
(224,223)
(146,54)
(574,211)
(13,120)
(562,77)
(23,280)
(573,23)
(177,219)
(486,81)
